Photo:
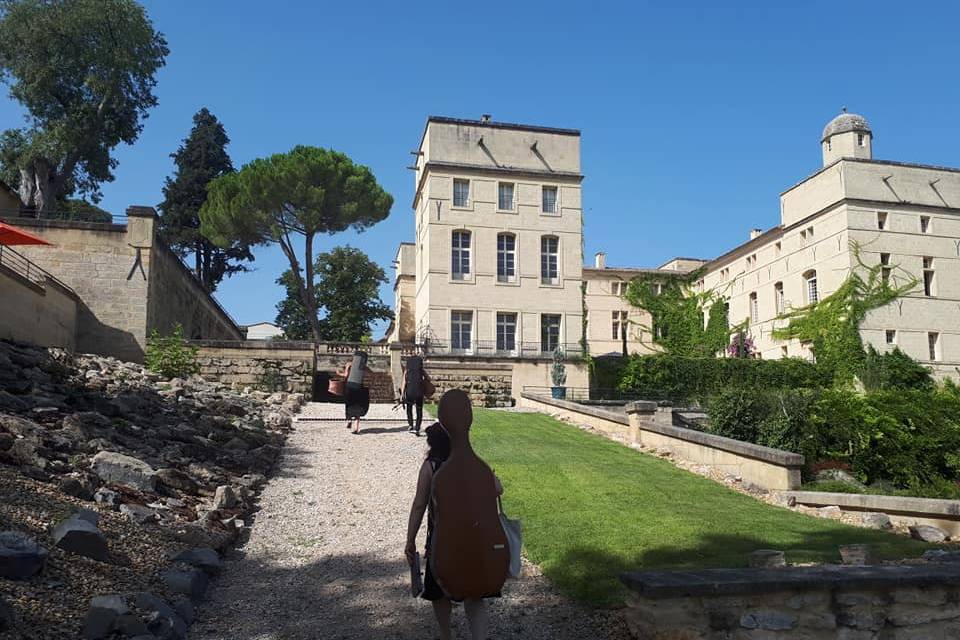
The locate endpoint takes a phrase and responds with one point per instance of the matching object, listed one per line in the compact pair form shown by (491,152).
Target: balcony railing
(490,348)
(22,266)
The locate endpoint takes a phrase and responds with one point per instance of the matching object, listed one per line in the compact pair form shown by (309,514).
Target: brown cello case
(470,556)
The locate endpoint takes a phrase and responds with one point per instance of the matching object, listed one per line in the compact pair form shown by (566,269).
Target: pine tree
(201,158)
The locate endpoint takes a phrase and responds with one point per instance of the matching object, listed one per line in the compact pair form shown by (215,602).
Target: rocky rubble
(118,490)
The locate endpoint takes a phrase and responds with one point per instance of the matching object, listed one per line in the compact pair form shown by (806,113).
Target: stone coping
(579,408)
(279,345)
(727,582)
(747,449)
(51,223)
(887,504)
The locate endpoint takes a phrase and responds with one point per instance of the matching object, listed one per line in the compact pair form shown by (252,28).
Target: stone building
(904,216)
(496,267)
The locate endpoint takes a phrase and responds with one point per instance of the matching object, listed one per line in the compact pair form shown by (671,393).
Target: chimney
(485,118)
(600,260)
(755,233)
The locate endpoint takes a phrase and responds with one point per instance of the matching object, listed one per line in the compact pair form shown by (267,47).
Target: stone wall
(42,313)
(487,384)
(258,364)
(809,603)
(127,283)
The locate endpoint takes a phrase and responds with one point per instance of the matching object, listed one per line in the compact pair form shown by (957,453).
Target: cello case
(470,555)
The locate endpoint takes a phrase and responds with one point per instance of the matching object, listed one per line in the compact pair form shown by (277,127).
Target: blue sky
(694,116)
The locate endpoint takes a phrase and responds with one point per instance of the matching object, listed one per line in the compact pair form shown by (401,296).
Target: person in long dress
(412,391)
(357,396)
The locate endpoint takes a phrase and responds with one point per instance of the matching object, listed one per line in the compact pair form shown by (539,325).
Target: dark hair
(438,442)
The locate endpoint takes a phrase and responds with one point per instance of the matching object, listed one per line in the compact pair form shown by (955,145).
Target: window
(507,332)
(885,269)
(549,273)
(506,257)
(813,293)
(460,269)
(881,220)
(461,193)
(549,332)
(891,335)
(724,274)
(861,140)
(924,224)
(505,196)
(461,330)
(618,288)
(549,196)
(778,299)
(929,284)
(829,145)
(933,342)
(751,261)
(619,325)
(754,308)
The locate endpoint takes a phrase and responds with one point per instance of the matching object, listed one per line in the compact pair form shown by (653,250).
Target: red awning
(13,236)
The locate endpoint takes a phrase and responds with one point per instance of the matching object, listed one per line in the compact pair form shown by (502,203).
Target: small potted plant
(558,373)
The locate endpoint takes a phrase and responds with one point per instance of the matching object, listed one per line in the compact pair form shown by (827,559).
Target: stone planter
(558,393)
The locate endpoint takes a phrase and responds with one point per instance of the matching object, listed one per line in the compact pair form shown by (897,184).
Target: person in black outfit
(412,391)
(357,401)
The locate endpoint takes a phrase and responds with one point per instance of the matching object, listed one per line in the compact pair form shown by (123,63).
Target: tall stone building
(498,251)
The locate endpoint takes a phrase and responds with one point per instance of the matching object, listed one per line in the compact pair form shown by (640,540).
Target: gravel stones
(928,533)
(122,469)
(20,555)
(7,619)
(79,536)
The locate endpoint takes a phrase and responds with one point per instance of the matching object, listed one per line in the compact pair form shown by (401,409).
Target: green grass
(592,509)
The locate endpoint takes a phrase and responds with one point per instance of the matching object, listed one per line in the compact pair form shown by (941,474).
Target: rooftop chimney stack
(600,260)
(485,118)
(755,233)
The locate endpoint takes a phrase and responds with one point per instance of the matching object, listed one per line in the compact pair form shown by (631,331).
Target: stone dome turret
(844,123)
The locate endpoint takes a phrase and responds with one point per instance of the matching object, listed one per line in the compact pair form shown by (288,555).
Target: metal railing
(490,348)
(586,395)
(61,215)
(25,268)
(344,348)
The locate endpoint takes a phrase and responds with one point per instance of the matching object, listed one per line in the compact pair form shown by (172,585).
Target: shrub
(893,370)
(683,380)
(558,370)
(170,356)
(905,439)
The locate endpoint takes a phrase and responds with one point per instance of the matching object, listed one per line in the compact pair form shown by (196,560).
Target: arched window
(506,257)
(460,255)
(810,286)
(549,266)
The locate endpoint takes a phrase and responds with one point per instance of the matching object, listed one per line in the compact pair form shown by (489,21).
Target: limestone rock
(107,497)
(941,555)
(767,558)
(176,479)
(76,488)
(7,619)
(20,555)
(79,536)
(225,498)
(202,558)
(832,512)
(163,619)
(126,470)
(102,616)
(928,533)
(185,610)
(131,626)
(189,582)
(874,520)
(138,513)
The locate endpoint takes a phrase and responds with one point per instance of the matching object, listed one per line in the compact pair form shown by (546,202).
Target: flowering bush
(742,346)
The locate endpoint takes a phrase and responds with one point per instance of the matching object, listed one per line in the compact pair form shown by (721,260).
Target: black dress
(357,396)
(431,590)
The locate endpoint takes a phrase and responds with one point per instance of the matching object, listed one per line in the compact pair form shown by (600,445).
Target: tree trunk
(310,299)
(197,252)
(38,190)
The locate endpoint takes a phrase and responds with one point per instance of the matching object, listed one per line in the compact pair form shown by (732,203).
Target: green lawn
(592,508)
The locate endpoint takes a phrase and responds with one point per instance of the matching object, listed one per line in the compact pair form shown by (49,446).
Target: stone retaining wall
(488,385)
(258,364)
(651,426)
(943,514)
(43,314)
(808,603)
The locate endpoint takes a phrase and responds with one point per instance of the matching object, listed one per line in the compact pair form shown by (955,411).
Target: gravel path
(325,554)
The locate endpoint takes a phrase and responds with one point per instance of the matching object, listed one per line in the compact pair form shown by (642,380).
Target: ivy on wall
(684,322)
(832,325)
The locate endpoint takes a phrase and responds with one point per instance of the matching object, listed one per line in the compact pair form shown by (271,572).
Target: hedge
(694,380)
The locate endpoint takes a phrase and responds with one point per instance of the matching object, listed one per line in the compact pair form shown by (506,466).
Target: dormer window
(861,140)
